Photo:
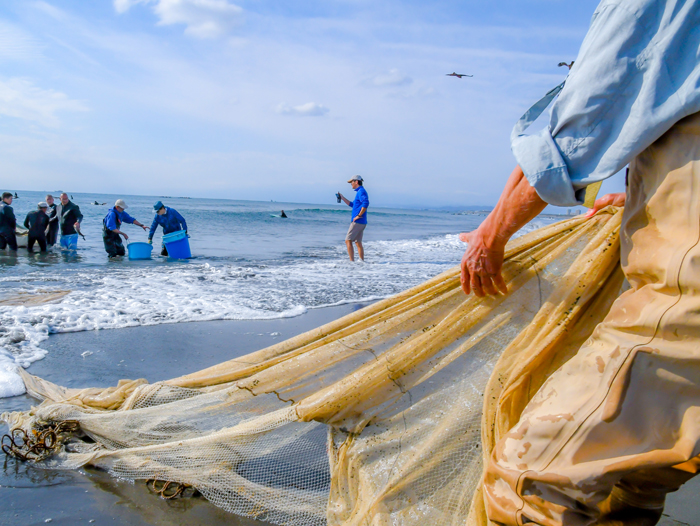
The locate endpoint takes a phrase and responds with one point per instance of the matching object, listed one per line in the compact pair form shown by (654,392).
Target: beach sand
(33,496)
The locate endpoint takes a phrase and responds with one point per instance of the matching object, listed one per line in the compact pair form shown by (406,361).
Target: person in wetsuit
(171,221)
(69,218)
(8,223)
(111,228)
(37,222)
(52,229)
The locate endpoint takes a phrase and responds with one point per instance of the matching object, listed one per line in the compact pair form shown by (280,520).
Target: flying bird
(565,64)
(458,75)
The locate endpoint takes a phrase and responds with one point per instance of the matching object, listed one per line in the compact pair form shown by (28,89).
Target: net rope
(381,417)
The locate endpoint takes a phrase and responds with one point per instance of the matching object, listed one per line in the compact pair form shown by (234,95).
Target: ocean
(248,263)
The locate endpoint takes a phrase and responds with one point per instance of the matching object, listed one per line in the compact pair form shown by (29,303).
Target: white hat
(355,178)
(121,204)
(43,205)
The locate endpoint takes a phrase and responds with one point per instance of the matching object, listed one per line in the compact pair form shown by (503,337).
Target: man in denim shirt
(618,426)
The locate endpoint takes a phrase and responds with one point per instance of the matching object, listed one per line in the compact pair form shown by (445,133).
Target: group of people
(169,218)
(43,224)
(51,219)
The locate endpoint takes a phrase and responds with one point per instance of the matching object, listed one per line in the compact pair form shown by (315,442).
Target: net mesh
(381,417)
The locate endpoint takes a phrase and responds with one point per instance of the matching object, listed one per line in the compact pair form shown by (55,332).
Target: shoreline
(159,352)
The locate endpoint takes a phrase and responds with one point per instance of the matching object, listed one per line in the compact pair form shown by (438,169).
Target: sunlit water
(248,264)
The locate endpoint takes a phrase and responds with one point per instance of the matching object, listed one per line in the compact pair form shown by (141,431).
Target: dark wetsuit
(8,227)
(70,214)
(36,222)
(52,233)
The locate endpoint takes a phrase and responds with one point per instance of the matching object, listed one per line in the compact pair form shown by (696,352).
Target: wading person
(359,217)
(52,230)
(171,221)
(8,223)
(69,219)
(618,426)
(111,228)
(37,222)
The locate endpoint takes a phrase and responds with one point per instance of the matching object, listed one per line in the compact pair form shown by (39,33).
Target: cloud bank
(21,99)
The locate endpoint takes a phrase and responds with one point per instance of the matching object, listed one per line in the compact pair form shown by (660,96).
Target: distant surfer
(171,221)
(282,214)
(111,228)
(359,217)
(8,223)
(16,196)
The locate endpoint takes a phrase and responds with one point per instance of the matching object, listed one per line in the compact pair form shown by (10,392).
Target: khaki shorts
(355,232)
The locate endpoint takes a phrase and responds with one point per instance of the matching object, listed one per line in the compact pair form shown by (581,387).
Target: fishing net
(381,417)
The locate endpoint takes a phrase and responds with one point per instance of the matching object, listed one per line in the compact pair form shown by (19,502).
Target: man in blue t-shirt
(359,217)
(111,228)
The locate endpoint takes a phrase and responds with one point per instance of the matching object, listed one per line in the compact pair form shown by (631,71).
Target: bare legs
(351,252)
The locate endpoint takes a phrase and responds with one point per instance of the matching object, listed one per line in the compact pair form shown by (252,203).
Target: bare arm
(483,259)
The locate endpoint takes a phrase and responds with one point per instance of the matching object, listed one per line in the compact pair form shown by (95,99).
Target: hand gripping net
(373,419)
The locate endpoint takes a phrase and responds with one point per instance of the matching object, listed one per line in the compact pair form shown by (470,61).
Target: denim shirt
(637,74)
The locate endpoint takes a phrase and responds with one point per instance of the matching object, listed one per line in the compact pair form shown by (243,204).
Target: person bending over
(111,225)
(171,221)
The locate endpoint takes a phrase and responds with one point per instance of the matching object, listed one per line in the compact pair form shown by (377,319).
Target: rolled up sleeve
(636,75)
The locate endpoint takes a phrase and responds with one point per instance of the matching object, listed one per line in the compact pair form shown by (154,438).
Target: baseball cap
(121,204)
(355,178)
(158,205)
(43,205)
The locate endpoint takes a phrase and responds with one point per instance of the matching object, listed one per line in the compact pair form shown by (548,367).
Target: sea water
(248,263)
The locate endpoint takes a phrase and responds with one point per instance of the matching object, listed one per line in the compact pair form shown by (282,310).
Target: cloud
(202,18)
(391,79)
(21,99)
(310,109)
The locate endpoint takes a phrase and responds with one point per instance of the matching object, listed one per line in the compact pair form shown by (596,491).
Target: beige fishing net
(381,417)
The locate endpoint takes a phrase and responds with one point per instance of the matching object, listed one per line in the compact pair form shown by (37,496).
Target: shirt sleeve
(126,218)
(26,221)
(154,225)
(78,214)
(636,75)
(364,198)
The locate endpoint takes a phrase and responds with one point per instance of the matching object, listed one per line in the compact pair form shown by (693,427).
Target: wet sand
(32,496)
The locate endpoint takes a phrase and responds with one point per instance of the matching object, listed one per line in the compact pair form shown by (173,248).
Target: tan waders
(618,426)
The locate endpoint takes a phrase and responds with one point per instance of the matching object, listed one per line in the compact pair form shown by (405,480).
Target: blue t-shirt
(361,201)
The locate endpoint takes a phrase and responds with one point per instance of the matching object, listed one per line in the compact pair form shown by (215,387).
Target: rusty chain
(40,443)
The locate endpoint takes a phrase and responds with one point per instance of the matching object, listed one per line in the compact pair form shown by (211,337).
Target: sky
(276,100)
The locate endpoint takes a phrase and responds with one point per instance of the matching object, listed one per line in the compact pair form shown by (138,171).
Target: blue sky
(279,100)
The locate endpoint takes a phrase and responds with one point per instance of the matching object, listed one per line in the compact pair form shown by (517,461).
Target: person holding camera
(359,217)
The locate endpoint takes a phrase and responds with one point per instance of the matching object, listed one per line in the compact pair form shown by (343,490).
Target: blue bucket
(139,250)
(178,245)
